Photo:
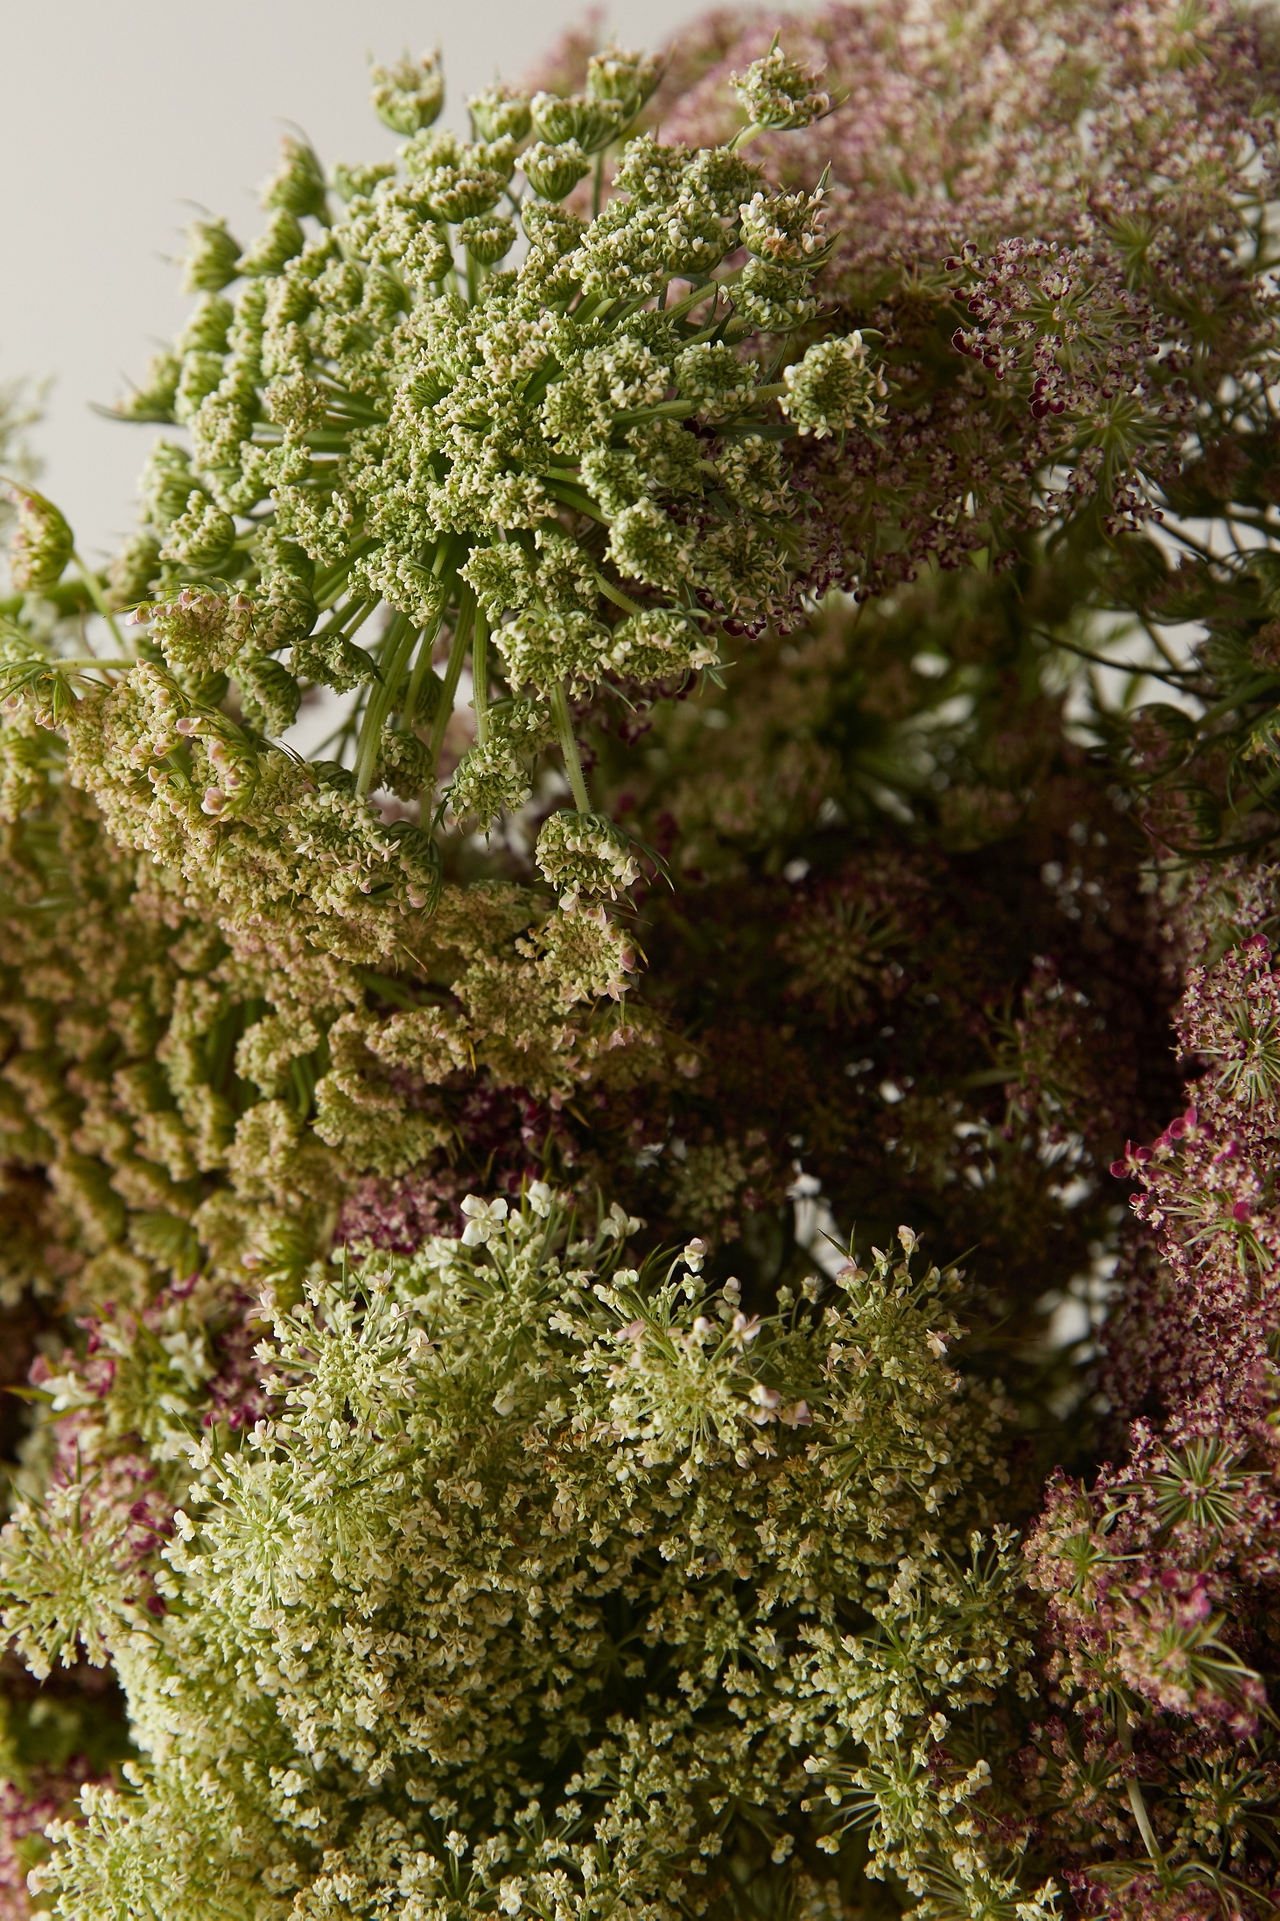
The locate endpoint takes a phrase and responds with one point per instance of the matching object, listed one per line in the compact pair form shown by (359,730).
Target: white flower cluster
(776,93)
(585,853)
(833,389)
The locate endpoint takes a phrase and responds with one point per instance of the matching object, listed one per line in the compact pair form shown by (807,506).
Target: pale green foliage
(544,1572)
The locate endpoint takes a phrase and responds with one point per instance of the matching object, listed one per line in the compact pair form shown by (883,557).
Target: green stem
(401,636)
(569,748)
(91,660)
(99,601)
(578,498)
(421,668)
(616,595)
(347,621)
(444,569)
(452,673)
(598,192)
(480,676)
(328,587)
(1137,1802)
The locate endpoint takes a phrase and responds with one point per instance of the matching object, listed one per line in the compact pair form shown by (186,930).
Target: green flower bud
(487,238)
(493,779)
(132,571)
(775,93)
(722,178)
(329,660)
(629,78)
(578,121)
(358,182)
(496,113)
(166,483)
(42,542)
(464,191)
(501,576)
(552,230)
(832,389)
(297,186)
(250,321)
(398,230)
(489,782)
(652,174)
(271,694)
(211,259)
(266,1050)
(541,649)
(284,605)
(585,854)
(554,171)
(201,632)
(659,644)
(207,327)
(201,375)
(427,150)
(785,229)
(772,299)
(201,536)
(275,247)
(646,544)
(421,869)
(408,96)
(24,780)
(612,477)
(712,376)
(404,764)
(153,400)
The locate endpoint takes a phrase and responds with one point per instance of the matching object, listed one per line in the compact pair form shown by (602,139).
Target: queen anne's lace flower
(833,388)
(584,853)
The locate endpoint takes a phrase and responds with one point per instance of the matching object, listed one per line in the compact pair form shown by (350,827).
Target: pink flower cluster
(1161,1578)
(1080,168)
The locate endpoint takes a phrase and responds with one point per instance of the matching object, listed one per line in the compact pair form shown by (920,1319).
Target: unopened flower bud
(775,93)
(42,543)
(211,257)
(554,171)
(408,96)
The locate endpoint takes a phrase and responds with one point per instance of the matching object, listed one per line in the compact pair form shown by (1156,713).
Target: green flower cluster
(581,460)
(380,1674)
(566,474)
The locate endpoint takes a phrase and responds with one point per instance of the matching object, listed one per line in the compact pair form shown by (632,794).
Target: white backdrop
(121,117)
